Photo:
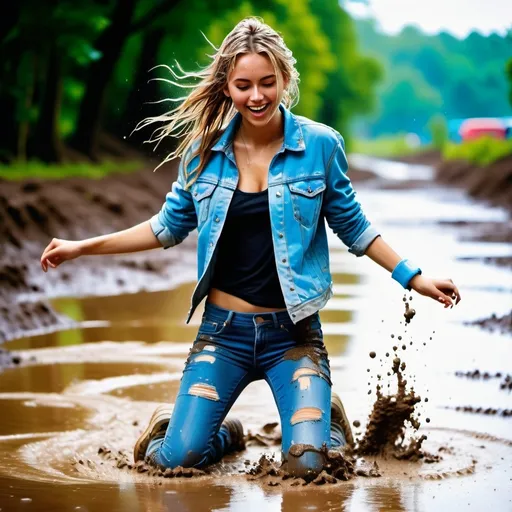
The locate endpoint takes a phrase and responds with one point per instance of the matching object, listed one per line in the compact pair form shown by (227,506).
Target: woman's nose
(256,94)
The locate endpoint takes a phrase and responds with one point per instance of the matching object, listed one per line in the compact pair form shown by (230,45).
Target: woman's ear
(226,91)
(286,82)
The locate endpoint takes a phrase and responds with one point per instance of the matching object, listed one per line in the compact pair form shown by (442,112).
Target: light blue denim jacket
(307,183)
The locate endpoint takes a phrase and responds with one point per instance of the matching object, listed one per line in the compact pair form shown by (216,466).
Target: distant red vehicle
(471,129)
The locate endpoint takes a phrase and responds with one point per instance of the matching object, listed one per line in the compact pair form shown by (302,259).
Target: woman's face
(253,88)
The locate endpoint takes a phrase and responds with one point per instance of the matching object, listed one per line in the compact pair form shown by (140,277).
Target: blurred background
(395,78)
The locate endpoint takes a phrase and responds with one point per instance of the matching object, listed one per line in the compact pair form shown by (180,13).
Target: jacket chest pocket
(306,199)
(202,194)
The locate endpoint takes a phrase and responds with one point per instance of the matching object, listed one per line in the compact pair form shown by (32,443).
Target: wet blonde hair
(202,115)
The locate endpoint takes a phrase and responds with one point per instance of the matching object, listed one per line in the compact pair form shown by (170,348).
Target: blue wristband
(404,272)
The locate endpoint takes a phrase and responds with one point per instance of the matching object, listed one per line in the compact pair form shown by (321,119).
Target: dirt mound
(492,183)
(33,212)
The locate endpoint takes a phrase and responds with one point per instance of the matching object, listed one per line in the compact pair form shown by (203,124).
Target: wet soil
(77,378)
(492,184)
(495,323)
(35,211)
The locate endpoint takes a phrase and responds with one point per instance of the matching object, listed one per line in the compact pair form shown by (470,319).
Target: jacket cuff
(164,236)
(363,241)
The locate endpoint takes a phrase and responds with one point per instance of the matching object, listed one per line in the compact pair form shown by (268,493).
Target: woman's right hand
(59,251)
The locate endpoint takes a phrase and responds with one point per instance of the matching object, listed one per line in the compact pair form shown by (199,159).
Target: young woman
(258,183)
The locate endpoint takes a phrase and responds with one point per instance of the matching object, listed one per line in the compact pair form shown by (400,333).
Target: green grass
(34,169)
(385,147)
(483,151)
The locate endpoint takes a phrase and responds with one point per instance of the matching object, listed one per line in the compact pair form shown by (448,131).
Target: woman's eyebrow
(247,80)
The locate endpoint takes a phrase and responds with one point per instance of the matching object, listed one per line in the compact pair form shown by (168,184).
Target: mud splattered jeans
(231,350)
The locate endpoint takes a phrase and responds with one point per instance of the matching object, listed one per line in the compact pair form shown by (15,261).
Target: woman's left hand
(441,290)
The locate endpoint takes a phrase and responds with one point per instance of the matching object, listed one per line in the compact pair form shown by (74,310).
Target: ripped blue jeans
(232,350)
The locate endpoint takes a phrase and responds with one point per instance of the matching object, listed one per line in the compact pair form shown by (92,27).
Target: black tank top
(245,264)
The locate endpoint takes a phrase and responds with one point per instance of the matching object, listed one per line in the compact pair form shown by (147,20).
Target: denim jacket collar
(293,138)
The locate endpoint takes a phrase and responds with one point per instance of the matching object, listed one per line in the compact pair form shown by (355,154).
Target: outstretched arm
(167,228)
(136,238)
(442,290)
(346,218)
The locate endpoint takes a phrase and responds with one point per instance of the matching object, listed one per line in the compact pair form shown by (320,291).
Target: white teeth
(256,109)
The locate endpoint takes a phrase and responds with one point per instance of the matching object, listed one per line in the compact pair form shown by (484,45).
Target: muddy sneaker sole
(339,416)
(157,424)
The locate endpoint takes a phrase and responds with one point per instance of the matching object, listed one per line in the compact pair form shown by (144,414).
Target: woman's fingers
(44,256)
(447,286)
(441,290)
(446,292)
(51,258)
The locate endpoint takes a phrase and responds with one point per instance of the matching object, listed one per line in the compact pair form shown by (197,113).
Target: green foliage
(337,81)
(35,169)
(438,131)
(390,146)
(482,151)
(427,75)
(351,84)
(508,73)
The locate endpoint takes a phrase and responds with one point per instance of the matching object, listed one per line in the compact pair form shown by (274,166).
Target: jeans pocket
(212,328)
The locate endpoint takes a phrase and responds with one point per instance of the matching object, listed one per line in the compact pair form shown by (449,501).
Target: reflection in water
(383,497)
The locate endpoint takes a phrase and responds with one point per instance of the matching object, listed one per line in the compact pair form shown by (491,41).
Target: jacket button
(278,194)
(281,235)
(292,289)
(195,193)
(309,190)
(284,260)
(217,219)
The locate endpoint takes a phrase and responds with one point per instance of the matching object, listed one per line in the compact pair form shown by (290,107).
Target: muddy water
(97,385)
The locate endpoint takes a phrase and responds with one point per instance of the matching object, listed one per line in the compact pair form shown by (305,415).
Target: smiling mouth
(260,109)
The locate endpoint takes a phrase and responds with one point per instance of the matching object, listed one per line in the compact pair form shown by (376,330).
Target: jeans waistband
(217,314)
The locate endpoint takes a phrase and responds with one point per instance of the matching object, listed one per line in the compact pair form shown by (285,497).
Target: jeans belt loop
(227,322)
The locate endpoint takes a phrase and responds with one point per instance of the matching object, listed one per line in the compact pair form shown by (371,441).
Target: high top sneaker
(157,426)
(236,434)
(339,417)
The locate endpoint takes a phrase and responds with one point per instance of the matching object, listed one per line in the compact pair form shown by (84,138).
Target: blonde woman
(257,182)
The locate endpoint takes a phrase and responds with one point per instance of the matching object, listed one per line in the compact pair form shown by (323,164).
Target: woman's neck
(263,135)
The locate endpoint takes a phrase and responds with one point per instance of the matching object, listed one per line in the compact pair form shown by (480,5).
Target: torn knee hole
(306,414)
(204,359)
(204,391)
(303,376)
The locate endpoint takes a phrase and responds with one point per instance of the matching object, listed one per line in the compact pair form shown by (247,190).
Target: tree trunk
(46,144)
(8,127)
(143,90)
(109,44)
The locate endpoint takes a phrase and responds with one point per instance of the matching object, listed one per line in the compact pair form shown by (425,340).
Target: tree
(351,82)
(110,43)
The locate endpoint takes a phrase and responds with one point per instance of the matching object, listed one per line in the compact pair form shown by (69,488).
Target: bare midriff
(228,301)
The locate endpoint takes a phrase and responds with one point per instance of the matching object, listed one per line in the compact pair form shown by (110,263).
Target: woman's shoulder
(319,132)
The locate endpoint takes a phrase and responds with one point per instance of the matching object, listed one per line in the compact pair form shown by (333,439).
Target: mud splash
(385,433)
(409,312)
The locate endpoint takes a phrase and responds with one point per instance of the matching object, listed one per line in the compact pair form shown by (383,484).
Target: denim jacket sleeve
(177,218)
(341,209)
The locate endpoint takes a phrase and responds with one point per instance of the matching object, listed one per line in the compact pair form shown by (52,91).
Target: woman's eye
(269,85)
(243,88)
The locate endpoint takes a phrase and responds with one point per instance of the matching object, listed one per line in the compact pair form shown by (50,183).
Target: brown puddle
(81,390)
